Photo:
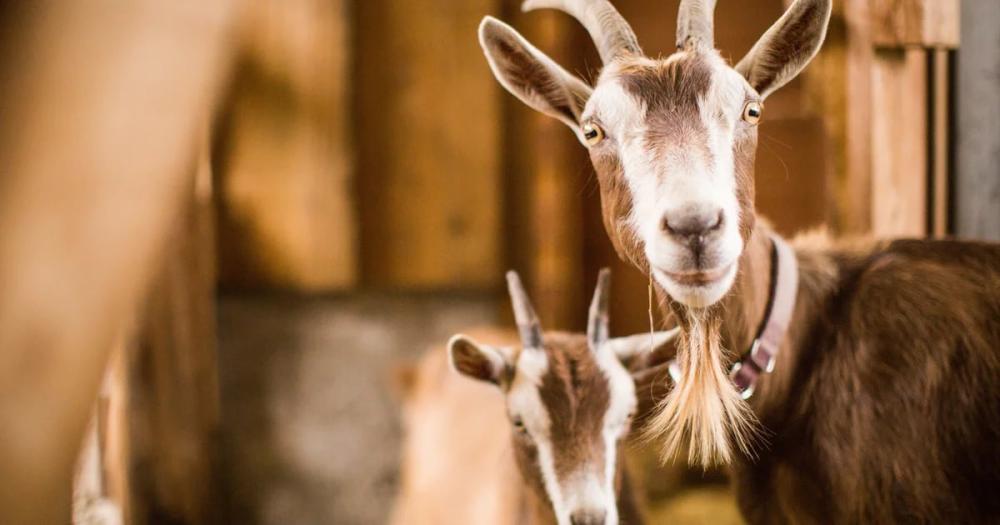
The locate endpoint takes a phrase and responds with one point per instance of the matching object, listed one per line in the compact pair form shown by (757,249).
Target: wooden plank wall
(910,115)
(171,379)
(454,181)
(546,171)
(427,127)
(284,152)
(156,419)
(899,142)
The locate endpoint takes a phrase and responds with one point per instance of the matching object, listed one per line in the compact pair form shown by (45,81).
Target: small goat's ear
(477,361)
(531,76)
(628,348)
(787,47)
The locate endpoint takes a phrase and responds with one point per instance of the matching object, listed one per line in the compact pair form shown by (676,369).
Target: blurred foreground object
(102,110)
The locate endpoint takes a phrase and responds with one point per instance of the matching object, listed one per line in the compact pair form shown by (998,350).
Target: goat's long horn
(612,34)
(527,322)
(597,321)
(695,25)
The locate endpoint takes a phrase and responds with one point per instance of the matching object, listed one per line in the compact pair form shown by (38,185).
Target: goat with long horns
(873,368)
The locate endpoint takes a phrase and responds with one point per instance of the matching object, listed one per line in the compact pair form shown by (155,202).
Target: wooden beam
(899,143)
(548,175)
(102,105)
(941,161)
(916,23)
(172,376)
(428,135)
(285,156)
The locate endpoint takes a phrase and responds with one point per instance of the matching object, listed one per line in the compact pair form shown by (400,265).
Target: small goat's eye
(518,424)
(592,133)
(752,112)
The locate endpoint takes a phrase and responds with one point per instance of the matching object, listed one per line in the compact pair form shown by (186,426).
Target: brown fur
(883,407)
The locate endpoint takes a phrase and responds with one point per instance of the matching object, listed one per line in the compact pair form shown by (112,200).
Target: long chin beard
(704,409)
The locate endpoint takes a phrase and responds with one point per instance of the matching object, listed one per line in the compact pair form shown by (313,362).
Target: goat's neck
(743,308)
(742,311)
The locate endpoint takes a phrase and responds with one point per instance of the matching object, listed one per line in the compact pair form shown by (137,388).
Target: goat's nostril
(688,223)
(588,517)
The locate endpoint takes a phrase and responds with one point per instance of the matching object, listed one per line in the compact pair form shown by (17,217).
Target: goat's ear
(477,361)
(642,347)
(787,47)
(531,76)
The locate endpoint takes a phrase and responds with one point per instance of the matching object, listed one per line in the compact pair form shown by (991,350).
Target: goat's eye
(518,425)
(752,112)
(593,134)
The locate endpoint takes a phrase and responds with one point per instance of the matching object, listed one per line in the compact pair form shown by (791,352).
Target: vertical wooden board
(916,23)
(850,107)
(793,179)
(940,181)
(173,392)
(285,157)
(428,131)
(102,106)
(546,171)
(899,143)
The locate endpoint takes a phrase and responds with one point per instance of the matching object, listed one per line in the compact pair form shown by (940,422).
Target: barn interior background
(229,222)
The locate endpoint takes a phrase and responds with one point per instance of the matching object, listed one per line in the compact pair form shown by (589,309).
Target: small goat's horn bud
(695,25)
(527,322)
(611,33)
(597,322)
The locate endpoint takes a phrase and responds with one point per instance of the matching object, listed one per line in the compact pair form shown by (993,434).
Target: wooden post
(547,172)
(941,144)
(916,23)
(899,143)
(284,155)
(172,378)
(910,134)
(427,117)
(102,105)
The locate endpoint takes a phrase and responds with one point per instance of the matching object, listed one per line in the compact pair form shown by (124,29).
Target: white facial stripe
(622,403)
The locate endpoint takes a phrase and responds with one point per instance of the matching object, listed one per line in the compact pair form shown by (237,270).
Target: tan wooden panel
(921,23)
(285,156)
(428,130)
(899,143)
(102,105)
(855,195)
(547,173)
(172,379)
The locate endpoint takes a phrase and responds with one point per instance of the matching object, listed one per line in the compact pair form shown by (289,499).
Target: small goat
(569,402)
(867,388)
